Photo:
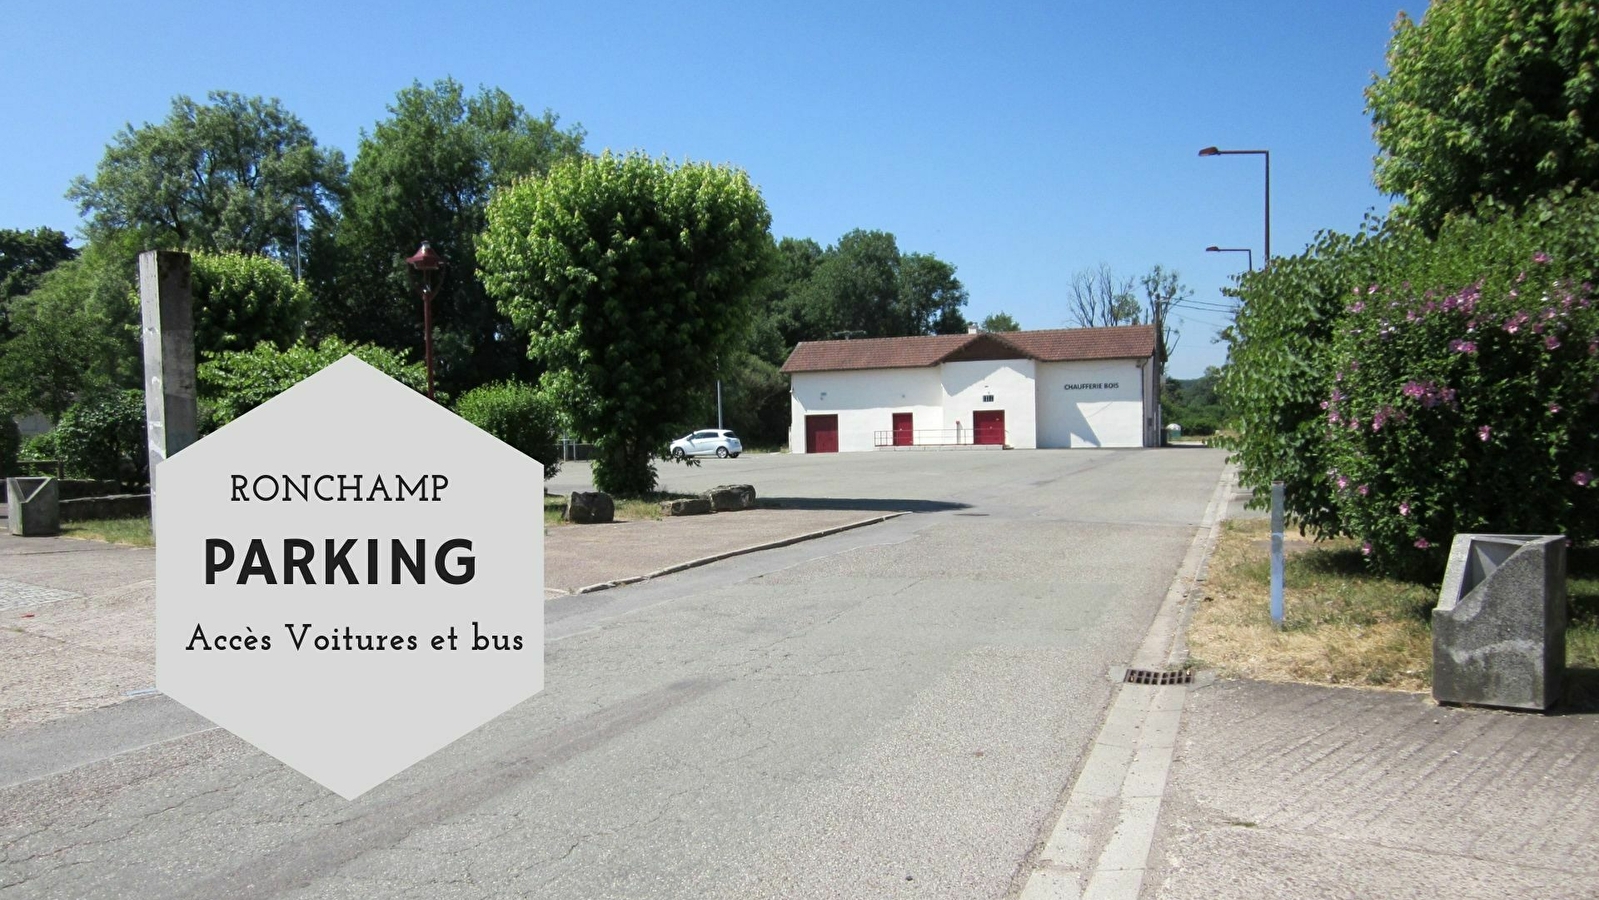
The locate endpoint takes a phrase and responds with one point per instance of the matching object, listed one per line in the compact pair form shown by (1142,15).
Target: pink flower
(1583,478)
(1422,543)
(1404,508)
(1460,346)
(1484,433)
(1541,258)
(1365,549)
(1358,306)
(1363,490)
(1554,407)
(1343,482)
(1551,343)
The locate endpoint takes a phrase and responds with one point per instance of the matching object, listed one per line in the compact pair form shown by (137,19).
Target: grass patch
(628,509)
(135,532)
(1341,625)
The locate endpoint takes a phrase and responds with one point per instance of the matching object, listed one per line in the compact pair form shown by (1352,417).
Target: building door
(821,434)
(988,426)
(903,435)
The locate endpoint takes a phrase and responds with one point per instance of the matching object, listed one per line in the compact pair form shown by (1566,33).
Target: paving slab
(1282,790)
(77,617)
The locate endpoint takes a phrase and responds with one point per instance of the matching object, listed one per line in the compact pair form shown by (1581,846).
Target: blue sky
(1021,142)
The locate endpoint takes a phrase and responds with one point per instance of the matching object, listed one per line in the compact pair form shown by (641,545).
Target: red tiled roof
(1052,345)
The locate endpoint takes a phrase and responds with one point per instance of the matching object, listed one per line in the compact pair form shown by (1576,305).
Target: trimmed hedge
(520,415)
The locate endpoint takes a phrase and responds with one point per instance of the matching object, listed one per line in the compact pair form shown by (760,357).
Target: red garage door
(821,434)
(988,426)
(903,435)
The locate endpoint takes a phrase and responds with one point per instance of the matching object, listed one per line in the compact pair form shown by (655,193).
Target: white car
(704,443)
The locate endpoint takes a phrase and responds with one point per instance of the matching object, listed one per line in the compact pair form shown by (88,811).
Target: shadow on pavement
(1579,696)
(864,504)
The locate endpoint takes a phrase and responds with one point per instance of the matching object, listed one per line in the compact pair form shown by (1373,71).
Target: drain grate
(1159,676)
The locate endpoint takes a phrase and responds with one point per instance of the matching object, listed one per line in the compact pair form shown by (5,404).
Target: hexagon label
(350,577)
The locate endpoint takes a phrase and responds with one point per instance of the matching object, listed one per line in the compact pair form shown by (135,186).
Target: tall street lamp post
(1212,151)
(429,268)
(1235,250)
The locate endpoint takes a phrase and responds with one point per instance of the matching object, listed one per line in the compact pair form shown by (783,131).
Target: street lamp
(1212,151)
(428,265)
(1235,250)
(297,210)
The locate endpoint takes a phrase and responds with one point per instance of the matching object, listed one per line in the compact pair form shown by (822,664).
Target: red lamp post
(429,268)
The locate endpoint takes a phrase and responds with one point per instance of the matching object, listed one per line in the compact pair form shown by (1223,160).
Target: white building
(1073,387)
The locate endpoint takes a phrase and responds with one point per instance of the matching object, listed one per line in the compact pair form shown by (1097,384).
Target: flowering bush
(1470,410)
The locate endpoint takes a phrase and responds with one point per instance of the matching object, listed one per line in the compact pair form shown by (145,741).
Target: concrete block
(114,506)
(1499,630)
(731,497)
(590,507)
(693,506)
(33,506)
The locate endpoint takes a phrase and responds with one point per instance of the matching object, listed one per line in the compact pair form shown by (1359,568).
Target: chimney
(971,329)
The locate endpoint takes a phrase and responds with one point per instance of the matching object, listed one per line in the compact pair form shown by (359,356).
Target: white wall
(864,402)
(1009,381)
(1109,415)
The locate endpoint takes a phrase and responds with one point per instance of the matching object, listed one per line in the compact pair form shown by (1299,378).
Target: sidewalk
(77,618)
(1284,790)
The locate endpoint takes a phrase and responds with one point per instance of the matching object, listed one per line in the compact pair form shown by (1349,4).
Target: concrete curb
(717,557)
(1123,778)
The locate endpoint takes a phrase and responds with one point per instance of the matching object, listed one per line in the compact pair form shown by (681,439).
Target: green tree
(76,333)
(427,172)
(865,284)
(234,382)
(1001,322)
(1488,100)
(102,435)
(855,287)
(25,256)
(240,301)
(784,312)
(220,176)
(631,277)
(930,296)
(520,415)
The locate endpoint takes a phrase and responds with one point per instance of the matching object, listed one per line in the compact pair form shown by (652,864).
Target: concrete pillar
(172,415)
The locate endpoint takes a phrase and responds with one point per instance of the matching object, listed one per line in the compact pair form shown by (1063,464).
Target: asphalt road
(892,711)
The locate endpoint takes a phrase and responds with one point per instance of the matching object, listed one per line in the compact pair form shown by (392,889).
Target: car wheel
(677,453)
(721,453)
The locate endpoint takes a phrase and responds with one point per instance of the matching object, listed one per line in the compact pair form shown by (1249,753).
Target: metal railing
(935,437)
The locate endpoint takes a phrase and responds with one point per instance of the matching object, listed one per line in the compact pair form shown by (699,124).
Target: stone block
(33,506)
(114,506)
(731,497)
(590,507)
(693,506)
(1499,630)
